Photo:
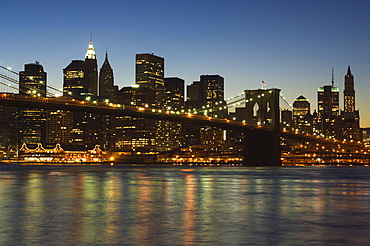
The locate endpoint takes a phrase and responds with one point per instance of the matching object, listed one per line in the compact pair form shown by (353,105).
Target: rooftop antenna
(90,35)
(332,77)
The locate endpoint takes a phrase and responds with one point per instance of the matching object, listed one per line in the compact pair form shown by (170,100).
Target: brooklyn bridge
(263,145)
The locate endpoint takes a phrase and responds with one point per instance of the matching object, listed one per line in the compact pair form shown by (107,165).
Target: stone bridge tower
(262,108)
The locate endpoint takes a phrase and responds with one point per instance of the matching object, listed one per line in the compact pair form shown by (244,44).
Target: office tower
(328,101)
(150,72)
(91,71)
(206,97)
(303,120)
(59,127)
(130,133)
(81,77)
(329,120)
(171,136)
(213,89)
(81,82)
(106,81)
(73,79)
(174,91)
(31,122)
(350,116)
(301,106)
(193,96)
(212,99)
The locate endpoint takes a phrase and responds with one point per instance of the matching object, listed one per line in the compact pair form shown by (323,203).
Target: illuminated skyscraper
(81,82)
(213,89)
(91,71)
(206,96)
(131,133)
(150,72)
(329,120)
(31,122)
(351,116)
(303,120)
(73,82)
(81,77)
(171,136)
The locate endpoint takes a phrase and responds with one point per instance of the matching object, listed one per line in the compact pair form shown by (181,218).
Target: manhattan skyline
(289,45)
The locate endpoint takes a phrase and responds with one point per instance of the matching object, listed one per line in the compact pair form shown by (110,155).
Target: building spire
(90,53)
(332,76)
(349,71)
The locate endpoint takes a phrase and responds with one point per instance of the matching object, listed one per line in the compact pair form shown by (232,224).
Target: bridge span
(262,145)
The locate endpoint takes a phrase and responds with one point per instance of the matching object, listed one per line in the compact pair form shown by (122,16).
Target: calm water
(96,205)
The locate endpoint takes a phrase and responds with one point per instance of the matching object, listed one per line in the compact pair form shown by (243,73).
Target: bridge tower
(262,108)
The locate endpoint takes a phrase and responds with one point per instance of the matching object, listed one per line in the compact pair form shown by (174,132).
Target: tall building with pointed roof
(350,116)
(349,93)
(106,80)
(91,71)
(81,77)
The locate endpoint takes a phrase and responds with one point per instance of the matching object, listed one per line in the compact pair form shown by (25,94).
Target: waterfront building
(150,74)
(173,101)
(130,133)
(31,121)
(59,124)
(8,127)
(350,116)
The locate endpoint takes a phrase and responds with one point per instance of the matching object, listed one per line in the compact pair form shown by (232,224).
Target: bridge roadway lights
(262,148)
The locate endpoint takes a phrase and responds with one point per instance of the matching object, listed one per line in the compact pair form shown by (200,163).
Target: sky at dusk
(291,45)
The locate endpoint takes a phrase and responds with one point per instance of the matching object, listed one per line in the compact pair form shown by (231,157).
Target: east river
(179,205)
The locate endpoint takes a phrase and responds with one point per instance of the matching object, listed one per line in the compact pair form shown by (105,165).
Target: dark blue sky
(291,45)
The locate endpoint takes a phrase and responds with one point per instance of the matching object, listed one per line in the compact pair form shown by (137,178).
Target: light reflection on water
(97,205)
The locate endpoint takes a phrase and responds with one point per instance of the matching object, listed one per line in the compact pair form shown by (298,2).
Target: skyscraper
(302,117)
(81,82)
(81,77)
(172,136)
(73,79)
(328,101)
(150,71)
(91,71)
(206,96)
(350,116)
(150,74)
(213,89)
(132,133)
(329,120)
(106,81)
(31,122)
(349,94)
